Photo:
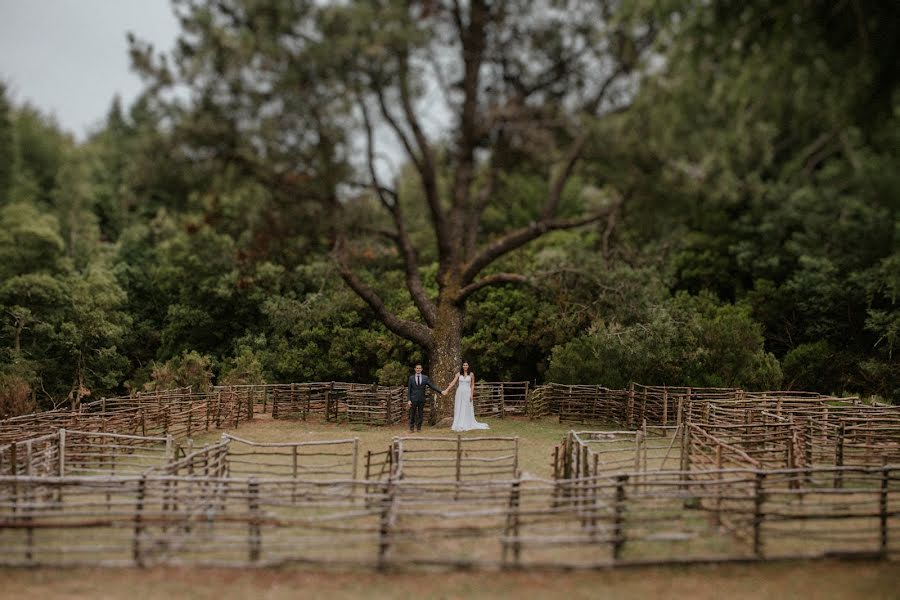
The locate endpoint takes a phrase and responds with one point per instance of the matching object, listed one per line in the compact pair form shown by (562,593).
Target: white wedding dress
(463,411)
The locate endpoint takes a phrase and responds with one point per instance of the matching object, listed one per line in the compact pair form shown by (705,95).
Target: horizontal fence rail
(591,521)
(684,474)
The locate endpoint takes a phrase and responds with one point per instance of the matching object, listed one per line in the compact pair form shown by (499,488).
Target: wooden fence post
(512,528)
(883,510)
(516,458)
(387,509)
(686,461)
(293,396)
(388,408)
(638,442)
(758,498)
(14,470)
(29,519)
(276,394)
(458,464)
(718,512)
(665,407)
(686,447)
(808,451)
(62,452)
(136,554)
(839,457)
(791,455)
(618,540)
(629,417)
(29,458)
(254,537)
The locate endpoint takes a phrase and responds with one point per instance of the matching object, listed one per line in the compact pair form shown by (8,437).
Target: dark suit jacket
(416,393)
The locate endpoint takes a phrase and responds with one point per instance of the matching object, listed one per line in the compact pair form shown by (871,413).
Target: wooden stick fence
(151,519)
(327,459)
(500,398)
(179,414)
(458,458)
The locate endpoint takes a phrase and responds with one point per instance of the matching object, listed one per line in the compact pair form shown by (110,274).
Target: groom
(416,392)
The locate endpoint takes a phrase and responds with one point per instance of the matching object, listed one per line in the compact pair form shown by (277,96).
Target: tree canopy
(679,192)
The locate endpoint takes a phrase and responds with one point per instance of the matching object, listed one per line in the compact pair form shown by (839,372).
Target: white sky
(70,57)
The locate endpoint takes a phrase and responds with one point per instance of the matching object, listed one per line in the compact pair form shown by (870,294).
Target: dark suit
(416,394)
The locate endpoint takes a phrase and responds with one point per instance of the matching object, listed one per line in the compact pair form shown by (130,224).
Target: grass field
(536,438)
(819,580)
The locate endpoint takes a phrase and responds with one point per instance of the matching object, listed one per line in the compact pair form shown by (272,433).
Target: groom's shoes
(419,429)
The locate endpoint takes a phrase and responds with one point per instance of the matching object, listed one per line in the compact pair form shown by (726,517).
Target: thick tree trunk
(446,352)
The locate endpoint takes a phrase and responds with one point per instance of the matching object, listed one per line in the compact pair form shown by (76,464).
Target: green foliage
(189,369)
(244,368)
(756,167)
(16,394)
(813,366)
(40,152)
(509,332)
(775,149)
(7,146)
(30,241)
(689,340)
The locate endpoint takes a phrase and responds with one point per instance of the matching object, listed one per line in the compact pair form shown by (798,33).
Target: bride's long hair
(463,372)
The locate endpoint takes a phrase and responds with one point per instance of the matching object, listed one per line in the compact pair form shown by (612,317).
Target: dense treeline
(741,181)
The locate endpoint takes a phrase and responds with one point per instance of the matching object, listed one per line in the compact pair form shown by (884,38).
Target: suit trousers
(416,414)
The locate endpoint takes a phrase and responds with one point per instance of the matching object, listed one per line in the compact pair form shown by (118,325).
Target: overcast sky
(70,57)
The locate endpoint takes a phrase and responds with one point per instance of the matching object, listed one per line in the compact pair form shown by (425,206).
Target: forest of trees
(680,192)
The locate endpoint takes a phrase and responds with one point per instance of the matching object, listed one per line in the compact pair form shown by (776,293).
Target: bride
(463,409)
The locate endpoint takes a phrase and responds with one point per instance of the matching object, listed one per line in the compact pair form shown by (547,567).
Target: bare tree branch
(401,237)
(473,40)
(410,330)
(481,202)
(559,184)
(398,131)
(495,279)
(518,238)
(370,158)
(427,168)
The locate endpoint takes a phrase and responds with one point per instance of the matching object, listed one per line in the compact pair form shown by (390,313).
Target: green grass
(536,438)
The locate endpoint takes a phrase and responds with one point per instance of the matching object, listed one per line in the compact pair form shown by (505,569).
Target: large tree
(472,97)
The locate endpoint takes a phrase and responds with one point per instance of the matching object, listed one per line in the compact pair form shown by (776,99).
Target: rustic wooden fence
(179,414)
(732,514)
(501,398)
(70,452)
(592,453)
(373,404)
(460,458)
(325,459)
